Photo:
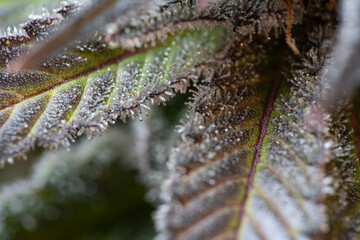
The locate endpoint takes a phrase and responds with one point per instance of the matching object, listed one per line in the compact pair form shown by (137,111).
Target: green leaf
(87,87)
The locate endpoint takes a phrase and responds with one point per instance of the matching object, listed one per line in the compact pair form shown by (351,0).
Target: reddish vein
(276,82)
(85,73)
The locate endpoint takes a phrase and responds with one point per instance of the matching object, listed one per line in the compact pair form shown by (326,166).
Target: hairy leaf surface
(92,84)
(257,158)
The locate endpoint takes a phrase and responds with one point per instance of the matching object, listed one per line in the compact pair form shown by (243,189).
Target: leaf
(344,206)
(344,76)
(90,85)
(251,158)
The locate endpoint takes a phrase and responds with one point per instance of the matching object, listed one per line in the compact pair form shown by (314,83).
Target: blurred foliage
(85,194)
(13,12)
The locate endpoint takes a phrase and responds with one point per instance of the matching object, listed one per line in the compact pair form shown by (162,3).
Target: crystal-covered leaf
(255,158)
(91,85)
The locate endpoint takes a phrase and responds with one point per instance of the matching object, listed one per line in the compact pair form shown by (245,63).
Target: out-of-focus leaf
(153,137)
(81,23)
(16,12)
(344,208)
(344,77)
(76,195)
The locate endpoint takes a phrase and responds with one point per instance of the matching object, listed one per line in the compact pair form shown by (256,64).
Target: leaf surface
(251,160)
(90,85)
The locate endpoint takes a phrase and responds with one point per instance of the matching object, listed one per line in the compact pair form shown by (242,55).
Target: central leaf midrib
(264,123)
(85,73)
